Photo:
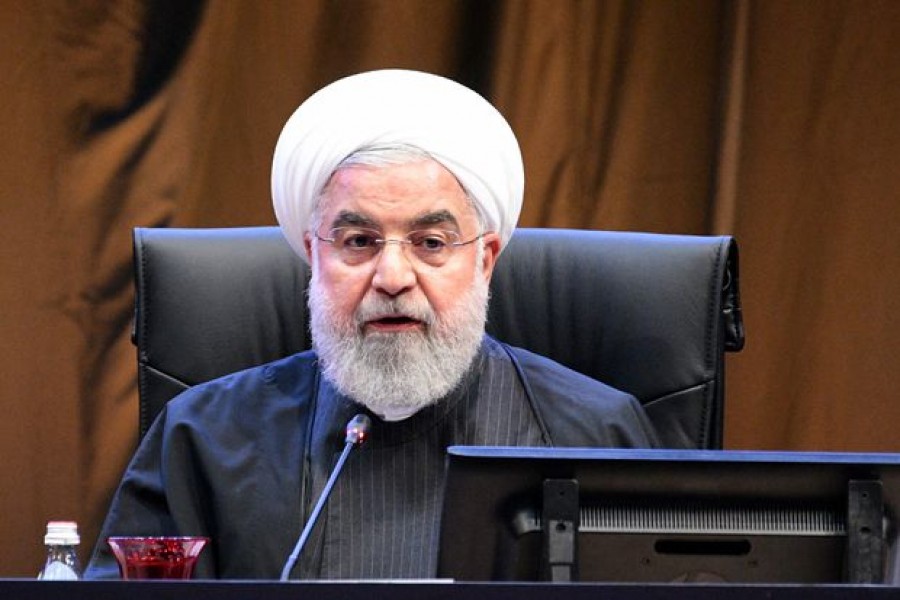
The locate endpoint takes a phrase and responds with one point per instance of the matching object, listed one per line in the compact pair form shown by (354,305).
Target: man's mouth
(393,323)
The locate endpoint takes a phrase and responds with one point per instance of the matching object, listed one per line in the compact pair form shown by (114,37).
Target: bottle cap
(62,533)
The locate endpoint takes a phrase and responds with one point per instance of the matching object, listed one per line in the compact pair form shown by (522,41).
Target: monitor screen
(668,516)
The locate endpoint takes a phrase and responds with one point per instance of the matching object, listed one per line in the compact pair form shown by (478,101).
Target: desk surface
(28,589)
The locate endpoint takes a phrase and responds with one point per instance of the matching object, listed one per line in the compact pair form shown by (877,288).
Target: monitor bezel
(483,482)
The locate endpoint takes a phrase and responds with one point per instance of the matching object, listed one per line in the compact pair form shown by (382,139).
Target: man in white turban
(397,349)
(400,189)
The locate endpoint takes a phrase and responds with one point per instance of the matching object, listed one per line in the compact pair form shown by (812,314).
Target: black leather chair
(651,314)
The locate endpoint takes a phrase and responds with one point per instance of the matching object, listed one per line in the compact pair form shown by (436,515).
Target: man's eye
(430,242)
(359,241)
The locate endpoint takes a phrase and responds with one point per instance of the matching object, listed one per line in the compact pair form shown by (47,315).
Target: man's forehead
(418,194)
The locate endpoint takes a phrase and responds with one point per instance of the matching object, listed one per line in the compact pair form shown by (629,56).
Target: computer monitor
(669,516)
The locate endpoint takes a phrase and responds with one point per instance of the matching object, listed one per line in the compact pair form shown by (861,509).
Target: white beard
(397,374)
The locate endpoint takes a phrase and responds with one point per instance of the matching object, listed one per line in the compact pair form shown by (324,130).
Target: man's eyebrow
(348,218)
(438,217)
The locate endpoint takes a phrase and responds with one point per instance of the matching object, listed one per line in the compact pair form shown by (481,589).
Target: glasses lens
(356,245)
(433,246)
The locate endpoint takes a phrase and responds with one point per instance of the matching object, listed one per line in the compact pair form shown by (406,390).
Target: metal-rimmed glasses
(356,245)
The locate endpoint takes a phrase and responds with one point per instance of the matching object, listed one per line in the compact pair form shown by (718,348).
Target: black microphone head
(358,429)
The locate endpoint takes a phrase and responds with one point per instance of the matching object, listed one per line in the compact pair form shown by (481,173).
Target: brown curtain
(772,120)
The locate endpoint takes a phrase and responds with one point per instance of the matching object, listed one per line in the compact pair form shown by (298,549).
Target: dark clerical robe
(242,459)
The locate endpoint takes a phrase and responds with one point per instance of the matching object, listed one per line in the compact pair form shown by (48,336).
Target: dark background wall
(774,121)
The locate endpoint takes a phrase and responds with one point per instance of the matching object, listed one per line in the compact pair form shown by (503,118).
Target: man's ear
(491,241)
(307,245)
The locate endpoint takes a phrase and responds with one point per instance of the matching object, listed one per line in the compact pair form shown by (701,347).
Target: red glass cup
(156,557)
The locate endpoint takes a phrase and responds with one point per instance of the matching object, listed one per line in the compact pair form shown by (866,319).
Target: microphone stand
(357,429)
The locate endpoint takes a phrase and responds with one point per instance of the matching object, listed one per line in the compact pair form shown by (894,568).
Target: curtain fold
(773,121)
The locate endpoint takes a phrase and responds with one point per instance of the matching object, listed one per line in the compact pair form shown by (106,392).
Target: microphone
(357,431)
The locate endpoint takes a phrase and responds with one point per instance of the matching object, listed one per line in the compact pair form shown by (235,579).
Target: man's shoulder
(285,380)
(578,410)
(537,368)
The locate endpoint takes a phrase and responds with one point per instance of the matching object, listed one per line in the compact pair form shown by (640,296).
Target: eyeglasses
(356,245)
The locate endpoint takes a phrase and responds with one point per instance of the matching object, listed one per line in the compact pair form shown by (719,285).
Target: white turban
(450,122)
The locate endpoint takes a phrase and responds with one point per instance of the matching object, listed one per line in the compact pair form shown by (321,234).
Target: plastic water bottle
(62,559)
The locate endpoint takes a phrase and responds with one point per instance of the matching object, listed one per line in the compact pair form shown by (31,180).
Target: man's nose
(394,271)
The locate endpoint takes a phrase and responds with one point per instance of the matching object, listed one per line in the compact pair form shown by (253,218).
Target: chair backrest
(651,314)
